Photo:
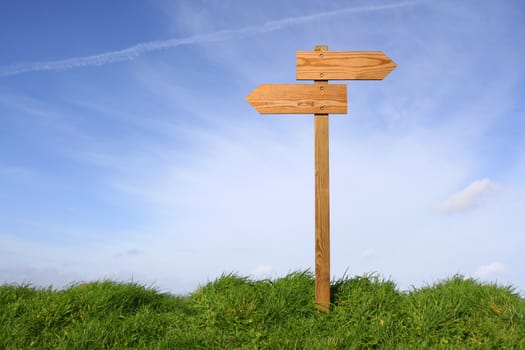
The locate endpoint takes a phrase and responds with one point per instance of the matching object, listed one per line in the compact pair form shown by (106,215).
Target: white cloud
(137,50)
(486,271)
(368,253)
(469,197)
(129,252)
(262,270)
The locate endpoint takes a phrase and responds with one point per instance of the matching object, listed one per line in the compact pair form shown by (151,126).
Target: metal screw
(321,75)
(321,55)
(321,108)
(321,87)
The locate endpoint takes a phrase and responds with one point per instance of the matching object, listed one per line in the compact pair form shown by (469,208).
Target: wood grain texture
(299,99)
(322,206)
(345,65)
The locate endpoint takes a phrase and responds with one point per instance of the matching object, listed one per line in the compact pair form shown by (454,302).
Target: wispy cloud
(486,271)
(129,252)
(469,197)
(14,171)
(368,253)
(137,50)
(262,270)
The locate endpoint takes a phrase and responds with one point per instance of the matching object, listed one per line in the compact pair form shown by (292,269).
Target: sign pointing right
(343,65)
(321,99)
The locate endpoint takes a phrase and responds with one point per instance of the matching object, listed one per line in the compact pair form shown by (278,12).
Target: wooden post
(322,205)
(321,99)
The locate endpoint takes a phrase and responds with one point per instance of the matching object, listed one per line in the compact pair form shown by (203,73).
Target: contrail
(135,51)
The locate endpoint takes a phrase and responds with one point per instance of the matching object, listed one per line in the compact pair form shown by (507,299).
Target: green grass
(239,313)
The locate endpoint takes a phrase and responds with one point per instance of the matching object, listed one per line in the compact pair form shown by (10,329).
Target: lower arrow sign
(299,99)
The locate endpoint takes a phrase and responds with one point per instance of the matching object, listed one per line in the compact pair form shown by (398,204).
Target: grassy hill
(238,313)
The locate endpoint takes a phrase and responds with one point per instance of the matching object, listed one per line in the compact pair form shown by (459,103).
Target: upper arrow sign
(351,65)
(299,99)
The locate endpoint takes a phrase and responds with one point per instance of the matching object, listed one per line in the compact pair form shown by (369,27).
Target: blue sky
(127,149)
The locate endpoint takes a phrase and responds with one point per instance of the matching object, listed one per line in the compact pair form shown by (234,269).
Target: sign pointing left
(321,99)
(299,99)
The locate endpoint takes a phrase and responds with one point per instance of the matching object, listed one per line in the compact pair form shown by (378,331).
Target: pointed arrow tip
(391,64)
(251,98)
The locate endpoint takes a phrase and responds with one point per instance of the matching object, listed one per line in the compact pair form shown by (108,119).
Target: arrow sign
(343,65)
(299,99)
(321,99)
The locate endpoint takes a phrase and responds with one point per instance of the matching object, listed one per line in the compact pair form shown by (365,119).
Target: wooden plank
(322,207)
(322,213)
(344,65)
(299,99)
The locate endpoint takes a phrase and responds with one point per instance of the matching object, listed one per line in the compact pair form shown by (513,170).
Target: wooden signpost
(321,99)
